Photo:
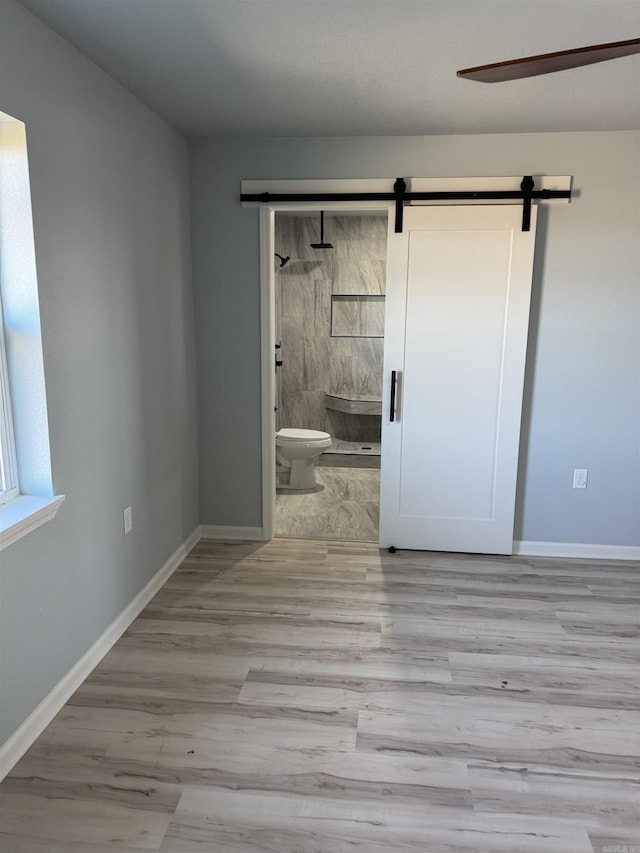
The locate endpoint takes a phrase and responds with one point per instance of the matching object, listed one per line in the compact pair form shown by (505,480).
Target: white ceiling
(356,67)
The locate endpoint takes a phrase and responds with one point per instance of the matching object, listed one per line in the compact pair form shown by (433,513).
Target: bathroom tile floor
(345,505)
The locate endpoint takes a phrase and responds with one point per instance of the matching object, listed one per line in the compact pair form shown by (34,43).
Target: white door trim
(267,274)
(267,396)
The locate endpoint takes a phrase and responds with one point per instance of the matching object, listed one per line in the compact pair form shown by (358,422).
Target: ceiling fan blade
(545,63)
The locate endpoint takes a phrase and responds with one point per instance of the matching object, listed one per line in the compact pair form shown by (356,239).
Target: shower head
(283,261)
(322,244)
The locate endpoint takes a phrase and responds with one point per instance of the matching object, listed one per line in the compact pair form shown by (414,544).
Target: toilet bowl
(297,449)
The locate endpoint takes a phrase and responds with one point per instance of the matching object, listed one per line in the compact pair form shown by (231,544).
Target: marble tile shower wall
(314,362)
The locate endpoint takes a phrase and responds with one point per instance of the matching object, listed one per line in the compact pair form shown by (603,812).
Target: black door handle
(392,409)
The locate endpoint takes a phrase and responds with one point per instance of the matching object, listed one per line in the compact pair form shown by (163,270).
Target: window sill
(24,514)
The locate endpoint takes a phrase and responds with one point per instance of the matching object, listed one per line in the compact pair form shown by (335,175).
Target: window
(26,487)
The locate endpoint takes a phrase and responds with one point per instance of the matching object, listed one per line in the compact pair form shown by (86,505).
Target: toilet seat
(292,434)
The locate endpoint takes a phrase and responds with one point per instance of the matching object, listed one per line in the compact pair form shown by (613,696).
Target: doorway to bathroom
(329,304)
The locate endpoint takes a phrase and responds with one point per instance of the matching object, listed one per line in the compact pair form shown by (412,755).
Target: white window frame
(9,483)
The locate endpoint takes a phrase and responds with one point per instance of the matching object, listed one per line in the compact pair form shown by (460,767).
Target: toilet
(297,449)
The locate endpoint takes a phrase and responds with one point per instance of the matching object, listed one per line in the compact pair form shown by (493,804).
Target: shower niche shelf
(353,404)
(358,315)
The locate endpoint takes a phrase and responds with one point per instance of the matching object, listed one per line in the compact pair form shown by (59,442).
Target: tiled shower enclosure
(330,319)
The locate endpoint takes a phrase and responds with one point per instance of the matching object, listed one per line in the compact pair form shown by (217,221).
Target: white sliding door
(457,315)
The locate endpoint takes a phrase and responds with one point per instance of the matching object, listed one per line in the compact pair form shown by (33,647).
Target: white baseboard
(233,534)
(13,750)
(577,550)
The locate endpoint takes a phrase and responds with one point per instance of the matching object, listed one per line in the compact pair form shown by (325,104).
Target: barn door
(457,315)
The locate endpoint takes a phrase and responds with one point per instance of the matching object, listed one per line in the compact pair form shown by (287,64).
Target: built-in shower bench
(353,404)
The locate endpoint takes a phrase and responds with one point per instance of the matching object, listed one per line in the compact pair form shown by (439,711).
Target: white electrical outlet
(128,520)
(580,478)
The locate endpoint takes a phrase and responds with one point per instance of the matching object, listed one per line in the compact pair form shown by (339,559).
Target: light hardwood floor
(323,697)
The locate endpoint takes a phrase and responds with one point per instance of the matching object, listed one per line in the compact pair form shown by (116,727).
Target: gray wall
(581,397)
(109,183)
